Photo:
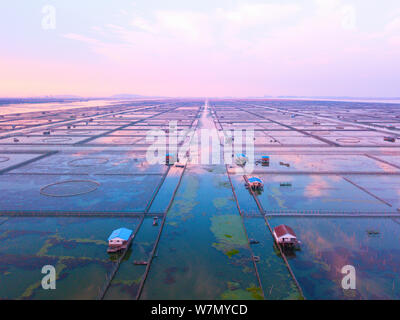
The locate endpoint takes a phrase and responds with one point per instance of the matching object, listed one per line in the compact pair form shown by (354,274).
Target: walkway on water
(173,173)
(114,271)
(115,268)
(158,236)
(242,213)
(278,246)
(188,250)
(247,236)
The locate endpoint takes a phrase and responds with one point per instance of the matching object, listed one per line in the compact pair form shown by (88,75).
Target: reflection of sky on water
(385,187)
(325,163)
(315,192)
(328,244)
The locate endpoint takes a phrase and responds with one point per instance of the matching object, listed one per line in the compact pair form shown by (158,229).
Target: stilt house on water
(118,240)
(285,237)
(255,183)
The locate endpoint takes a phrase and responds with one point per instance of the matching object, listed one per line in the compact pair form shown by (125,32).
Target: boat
(155,221)
(179,165)
(389,139)
(285,184)
(285,237)
(119,240)
(140,263)
(253,241)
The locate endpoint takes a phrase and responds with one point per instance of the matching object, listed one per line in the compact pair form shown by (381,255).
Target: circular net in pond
(348,140)
(69,188)
(56,140)
(87,162)
(4,159)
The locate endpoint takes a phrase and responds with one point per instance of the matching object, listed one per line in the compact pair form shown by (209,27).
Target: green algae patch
(231,253)
(229,232)
(94,241)
(232,285)
(228,225)
(256,292)
(128,283)
(247,269)
(238,294)
(47,245)
(220,202)
(184,205)
(276,194)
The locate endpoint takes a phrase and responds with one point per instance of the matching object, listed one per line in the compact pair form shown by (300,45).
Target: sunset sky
(200,48)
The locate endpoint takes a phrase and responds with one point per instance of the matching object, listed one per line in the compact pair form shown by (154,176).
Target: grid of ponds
(71,172)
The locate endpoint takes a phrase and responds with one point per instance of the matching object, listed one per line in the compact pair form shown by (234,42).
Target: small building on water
(255,183)
(285,236)
(118,240)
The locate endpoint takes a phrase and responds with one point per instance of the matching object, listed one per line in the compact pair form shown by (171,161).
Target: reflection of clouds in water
(385,167)
(336,178)
(81,153)
(317,187)
(333,249)
(278,178)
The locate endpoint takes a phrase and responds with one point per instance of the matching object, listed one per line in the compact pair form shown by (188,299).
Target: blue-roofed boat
(119,240)
(255,183)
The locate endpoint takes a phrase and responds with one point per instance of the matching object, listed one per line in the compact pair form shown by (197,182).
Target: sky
(208,48)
